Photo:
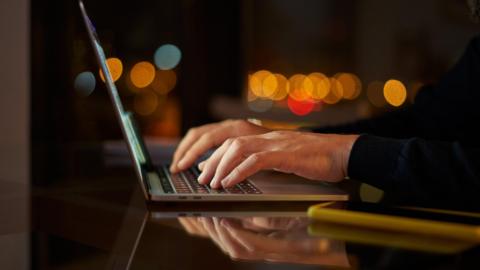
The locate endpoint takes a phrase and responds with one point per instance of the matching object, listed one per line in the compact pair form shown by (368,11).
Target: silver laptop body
(159,185)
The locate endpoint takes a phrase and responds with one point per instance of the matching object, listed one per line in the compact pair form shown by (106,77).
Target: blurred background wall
(14,138)
(179,64)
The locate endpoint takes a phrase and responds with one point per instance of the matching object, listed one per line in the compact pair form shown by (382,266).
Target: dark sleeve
(420,170)
(446,111)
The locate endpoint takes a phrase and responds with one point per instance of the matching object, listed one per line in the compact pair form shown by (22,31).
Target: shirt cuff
(373,160)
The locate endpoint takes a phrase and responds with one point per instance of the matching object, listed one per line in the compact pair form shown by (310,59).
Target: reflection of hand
(199,140)
(268,239)
(310,155)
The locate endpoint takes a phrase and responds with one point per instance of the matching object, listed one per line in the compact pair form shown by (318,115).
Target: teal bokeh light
(85,83)
(167,57)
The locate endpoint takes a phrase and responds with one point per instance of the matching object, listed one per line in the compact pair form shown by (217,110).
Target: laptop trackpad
(281,183)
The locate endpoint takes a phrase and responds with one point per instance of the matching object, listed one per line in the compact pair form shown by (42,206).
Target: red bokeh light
(300,108)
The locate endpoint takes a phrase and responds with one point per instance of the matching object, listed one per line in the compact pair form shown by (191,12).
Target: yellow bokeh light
(164,82)
(263,84)
(282,88)
(300,86)
(351,85)
(250,95)
(115,67)
(336,92)
(142,74)
(395,92)
(145,102)
(320,86)
(375,94)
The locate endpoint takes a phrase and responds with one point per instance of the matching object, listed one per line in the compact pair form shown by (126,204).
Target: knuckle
(238,143)
(256,158)
(207,137)
(229,141)
(236,172)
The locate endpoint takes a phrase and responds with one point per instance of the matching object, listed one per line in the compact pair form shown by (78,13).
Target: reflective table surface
(95,217)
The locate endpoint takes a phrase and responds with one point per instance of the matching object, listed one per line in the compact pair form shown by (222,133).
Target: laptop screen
(135,144)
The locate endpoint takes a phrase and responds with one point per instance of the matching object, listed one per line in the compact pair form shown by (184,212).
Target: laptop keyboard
(186,182)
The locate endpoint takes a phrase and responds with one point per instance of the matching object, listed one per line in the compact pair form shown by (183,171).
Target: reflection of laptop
(159,185)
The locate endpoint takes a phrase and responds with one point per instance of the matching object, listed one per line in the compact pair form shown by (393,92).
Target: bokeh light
(300,87)
(167,57)
(336,92)
(115,67)
(320,86)
(164,82)
(282,89)
(142,74)
(375,94)
(395,92)
(260,105)
(145,102)
(84,83)
(351,85)
(300,107)
(263,83)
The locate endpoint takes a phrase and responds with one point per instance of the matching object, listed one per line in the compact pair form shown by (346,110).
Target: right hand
(199,140)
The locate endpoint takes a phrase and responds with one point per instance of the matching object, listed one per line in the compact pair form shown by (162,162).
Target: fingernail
(225,182)
(201,178)
(201,165)
(213,184)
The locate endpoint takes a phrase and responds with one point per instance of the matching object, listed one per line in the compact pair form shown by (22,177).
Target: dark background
(221,43)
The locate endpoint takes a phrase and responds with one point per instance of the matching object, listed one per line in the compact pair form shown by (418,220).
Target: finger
(187,225)
(192,227)
(191,136)
(235,154)
(201,165)
(234,249)
(234,231)
(210,228)
(253,164)
(199,147)
(212,162)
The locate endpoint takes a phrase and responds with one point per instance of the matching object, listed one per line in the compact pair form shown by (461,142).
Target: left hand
(310,155)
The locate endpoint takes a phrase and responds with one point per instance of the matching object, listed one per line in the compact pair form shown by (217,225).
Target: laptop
(159,185)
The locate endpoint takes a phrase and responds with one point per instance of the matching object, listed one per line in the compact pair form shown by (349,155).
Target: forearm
(416,169)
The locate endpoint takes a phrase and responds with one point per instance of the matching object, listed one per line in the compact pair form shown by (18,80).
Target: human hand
(269,239)
(310,155)
(199,140)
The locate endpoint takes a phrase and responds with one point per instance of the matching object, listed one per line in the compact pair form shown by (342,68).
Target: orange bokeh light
(374,94)
(300,86)
(336,92)
(320,86)
(142,74)
(115,67)
(145,102)
(263,84)
(283,88)
(164,82)
(395,92)
(351,84)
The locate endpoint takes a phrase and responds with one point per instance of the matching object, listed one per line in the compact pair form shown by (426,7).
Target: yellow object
(387,239)
(442,229)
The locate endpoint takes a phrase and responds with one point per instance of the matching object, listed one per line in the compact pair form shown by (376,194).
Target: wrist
(345,149)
